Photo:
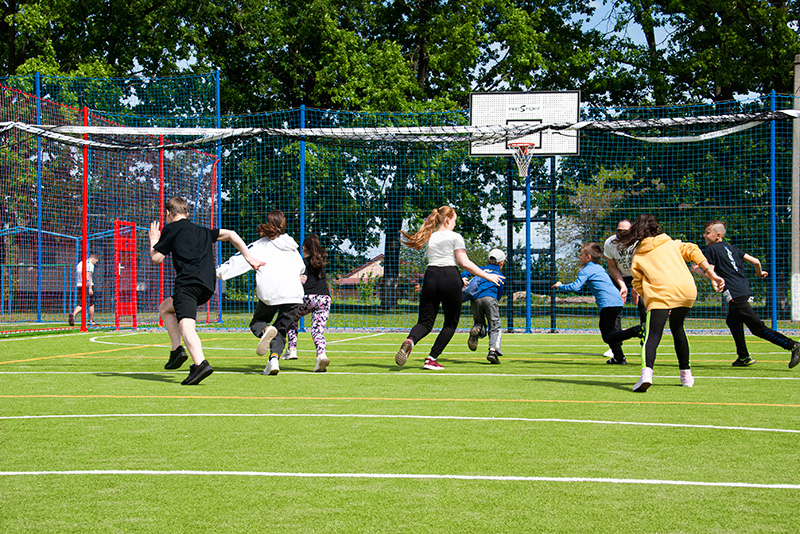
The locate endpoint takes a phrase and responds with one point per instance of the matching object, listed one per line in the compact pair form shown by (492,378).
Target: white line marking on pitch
(429,417)
(355,338)
(302,373)
(488,478)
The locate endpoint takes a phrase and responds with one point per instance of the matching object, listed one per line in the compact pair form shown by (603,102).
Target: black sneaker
(176,358)
(747,362)
(197,373)
(493,356)
(614,361)
(795,355)
(71,319)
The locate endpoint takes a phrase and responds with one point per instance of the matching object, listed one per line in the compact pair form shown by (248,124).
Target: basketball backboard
(518,108)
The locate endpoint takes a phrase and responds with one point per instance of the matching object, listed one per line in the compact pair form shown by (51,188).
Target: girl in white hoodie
(278,286)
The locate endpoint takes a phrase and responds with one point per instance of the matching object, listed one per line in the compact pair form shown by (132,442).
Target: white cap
(497,255)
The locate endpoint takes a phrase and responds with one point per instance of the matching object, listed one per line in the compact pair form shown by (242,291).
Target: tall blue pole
(528,263)
(302,323)
(38,203)
(772,224)
(219,191)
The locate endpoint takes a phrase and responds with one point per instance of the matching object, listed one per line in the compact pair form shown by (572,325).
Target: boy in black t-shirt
(728,262)
(195,280)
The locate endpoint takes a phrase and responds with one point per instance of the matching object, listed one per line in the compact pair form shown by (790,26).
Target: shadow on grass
(579,382)
(152,377)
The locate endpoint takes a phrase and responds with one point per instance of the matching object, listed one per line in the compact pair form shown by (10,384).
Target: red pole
(213,197)
(85,223)
(162,203)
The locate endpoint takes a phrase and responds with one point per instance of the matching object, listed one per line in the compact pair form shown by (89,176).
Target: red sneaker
(432,365)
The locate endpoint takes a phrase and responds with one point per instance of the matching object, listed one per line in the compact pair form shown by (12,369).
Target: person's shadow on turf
(153,377)
(583,382)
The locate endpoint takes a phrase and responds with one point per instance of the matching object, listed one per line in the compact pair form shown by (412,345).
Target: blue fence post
(302,324)
(528,263)
(772,223)
(38,203)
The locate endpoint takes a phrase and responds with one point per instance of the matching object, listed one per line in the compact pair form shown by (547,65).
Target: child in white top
(277,284)
(441,284)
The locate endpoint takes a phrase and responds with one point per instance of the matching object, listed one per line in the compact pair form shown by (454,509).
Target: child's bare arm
(761,273)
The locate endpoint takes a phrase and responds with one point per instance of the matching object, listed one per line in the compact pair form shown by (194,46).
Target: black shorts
(187,299)
(90,299)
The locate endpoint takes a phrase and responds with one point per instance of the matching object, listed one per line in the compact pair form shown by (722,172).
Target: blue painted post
(528,262)
(302,323)
(38,203)
(772,223)
(219,191)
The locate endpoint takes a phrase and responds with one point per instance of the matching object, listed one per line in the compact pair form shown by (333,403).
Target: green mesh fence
(358,195)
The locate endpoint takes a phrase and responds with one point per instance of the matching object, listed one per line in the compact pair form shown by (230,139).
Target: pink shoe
(687,380)
(402,355)
(645,381)
(432,365)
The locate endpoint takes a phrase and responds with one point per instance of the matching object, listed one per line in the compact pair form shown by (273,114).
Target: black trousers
(612,332)
(654,329)
(440,285)
(641,308)
(262,316)
(740,313)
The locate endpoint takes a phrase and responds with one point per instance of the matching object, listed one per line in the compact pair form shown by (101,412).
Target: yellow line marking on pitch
(544,401)
(84,354)
(76,355)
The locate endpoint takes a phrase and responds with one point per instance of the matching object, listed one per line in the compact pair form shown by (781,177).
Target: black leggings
(654,329)
(441,285)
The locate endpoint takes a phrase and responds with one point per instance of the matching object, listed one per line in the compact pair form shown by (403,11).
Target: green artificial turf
(551,440)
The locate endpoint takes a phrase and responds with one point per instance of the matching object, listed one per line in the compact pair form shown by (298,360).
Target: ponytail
(436,218)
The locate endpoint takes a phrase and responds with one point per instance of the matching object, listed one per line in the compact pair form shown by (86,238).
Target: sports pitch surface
(95,436)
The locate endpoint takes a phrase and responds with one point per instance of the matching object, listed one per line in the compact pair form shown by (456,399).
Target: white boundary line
(427,417)
(405,372)
(489,478)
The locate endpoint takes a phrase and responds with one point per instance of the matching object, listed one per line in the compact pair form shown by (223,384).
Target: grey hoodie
(277,282)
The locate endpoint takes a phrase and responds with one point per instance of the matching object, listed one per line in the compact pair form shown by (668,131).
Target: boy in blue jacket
(486,307)
(606,296)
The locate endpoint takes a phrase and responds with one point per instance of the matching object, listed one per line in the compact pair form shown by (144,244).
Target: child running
(316,301)
(192,249)
(607,298)
(441,283)
(662,278)
(277,284)
(486,308)
(728,262)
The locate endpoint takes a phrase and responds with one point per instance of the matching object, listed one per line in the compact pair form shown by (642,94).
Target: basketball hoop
(522,155)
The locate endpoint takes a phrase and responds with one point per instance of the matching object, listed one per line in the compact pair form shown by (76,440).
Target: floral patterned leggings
(319,306)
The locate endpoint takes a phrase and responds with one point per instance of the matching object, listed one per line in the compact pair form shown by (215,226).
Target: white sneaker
(290,354)
(608,354)
(263,346)
(687,380)
(645,381)
(321,364)
(272,367)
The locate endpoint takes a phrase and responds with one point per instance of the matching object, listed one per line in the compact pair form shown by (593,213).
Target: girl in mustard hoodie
(663,280)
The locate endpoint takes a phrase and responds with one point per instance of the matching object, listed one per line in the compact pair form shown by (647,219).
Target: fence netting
(358,195)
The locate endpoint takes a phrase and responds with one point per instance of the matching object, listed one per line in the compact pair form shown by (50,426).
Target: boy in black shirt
(195,280)
(728,262)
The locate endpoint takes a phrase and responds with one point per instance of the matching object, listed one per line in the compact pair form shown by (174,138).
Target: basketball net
(522,155)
